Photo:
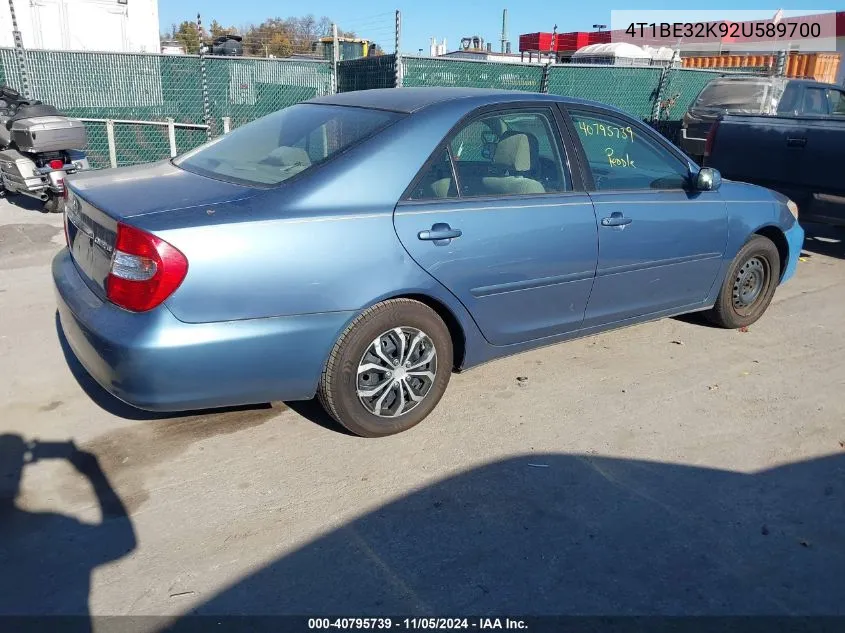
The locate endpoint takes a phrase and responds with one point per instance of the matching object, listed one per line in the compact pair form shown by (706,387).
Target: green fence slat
(632,89)
(366,73)
(424,71)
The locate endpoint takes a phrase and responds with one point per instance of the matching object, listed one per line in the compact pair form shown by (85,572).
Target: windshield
(288,142)
(756,97)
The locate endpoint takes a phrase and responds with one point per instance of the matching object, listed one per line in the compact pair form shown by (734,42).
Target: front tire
(388,370)
(749,285)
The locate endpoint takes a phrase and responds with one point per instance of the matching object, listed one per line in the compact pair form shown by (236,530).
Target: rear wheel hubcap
(396,372)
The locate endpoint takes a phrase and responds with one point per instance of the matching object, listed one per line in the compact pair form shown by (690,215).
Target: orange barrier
(818,66)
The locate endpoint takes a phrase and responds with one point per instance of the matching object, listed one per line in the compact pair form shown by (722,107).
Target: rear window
(753,97)
(275,148)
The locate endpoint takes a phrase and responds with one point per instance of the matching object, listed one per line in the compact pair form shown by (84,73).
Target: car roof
(772,78)
(408,100)
(813,83)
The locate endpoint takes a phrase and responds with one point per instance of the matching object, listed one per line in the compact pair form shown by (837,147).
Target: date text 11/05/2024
(707,30)
(415,624)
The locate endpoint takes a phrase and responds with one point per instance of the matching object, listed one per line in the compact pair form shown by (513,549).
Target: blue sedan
(361,247)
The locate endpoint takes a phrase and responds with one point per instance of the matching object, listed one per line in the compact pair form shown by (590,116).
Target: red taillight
(711,138)
(57,164)
(145,270)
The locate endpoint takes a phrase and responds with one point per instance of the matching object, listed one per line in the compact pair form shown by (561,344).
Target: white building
(437,48)
(83,25)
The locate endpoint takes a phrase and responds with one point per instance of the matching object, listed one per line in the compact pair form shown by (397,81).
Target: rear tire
(749,286)
(388,370)
(53,205)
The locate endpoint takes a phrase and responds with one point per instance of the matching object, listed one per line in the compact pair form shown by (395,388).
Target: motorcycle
(39,147)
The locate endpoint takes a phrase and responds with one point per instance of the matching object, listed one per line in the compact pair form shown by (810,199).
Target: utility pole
(21,55)
(335,55)
(504,29)
(397,69)
(206,108)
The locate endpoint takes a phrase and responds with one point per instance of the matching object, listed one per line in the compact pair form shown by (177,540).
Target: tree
(280,37)
(216,29)
(279,46)
(188,36)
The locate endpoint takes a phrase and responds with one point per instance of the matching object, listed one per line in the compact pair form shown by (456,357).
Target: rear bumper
(154,361)
(795,240)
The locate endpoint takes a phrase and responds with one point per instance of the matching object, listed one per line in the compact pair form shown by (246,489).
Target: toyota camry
(361,247)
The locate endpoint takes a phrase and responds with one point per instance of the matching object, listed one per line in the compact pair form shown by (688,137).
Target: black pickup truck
(800,151)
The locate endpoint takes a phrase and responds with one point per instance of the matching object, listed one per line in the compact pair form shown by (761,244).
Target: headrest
(514,151)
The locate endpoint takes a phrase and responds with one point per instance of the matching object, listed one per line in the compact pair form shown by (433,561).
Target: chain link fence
(431,71)
(136,93)
(659,95)
(137,88)
(366,73)
(632,89)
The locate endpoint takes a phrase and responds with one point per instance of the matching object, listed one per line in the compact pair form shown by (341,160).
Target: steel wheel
(749,283)
(396,372)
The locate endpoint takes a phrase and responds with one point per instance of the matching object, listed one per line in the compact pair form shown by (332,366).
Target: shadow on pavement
(823,239)
(570,534)
(25,202)
(47,558)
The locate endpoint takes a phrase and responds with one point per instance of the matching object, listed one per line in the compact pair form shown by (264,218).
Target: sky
(424,19)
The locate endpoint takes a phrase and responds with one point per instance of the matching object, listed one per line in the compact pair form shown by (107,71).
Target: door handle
(796,141)
(440,233)
(616,219)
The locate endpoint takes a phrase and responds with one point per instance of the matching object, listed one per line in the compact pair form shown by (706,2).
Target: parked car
(755,96)
(363,245)
(798,155)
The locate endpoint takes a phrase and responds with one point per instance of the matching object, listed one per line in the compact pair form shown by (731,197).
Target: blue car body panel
(277,273)
(523,267)
(667,258)
(795,239)
(156,362)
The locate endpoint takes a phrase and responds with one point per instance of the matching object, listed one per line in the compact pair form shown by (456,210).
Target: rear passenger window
(814,101)
(837,102)
(622,156)
(437,181)
(508,154)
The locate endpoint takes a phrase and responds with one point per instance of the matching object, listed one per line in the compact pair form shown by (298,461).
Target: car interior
(495,156)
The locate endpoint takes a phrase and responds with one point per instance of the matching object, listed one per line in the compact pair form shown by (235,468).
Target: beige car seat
(513,153)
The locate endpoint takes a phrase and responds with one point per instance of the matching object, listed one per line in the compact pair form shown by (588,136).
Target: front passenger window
(622,156)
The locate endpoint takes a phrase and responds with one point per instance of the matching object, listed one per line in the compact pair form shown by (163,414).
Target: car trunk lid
(91,236)
(97,201)
(129,192)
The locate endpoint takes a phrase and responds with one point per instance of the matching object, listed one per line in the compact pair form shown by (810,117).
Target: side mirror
(708,179)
